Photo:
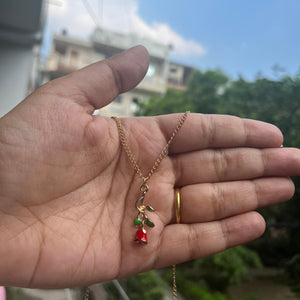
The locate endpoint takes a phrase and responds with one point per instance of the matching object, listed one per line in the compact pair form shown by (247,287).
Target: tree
(226,268)
(148,286)
(172,102)
(205,90)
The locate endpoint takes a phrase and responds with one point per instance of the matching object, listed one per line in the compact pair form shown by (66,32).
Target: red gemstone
(141,236)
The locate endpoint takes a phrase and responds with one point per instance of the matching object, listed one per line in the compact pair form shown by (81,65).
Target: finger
(208,202)
(235,164)
(184,242)
(219,131)
(100,83)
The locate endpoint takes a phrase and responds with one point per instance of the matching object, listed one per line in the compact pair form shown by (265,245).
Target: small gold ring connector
(177,205)
(144,188)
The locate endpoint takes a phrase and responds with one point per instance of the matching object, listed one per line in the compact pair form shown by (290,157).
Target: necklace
(142,219)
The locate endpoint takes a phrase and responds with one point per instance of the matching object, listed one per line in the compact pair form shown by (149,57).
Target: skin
(67,188)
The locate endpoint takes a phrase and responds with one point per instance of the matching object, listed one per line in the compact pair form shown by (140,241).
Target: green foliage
(194,291)
(226,268)
(148,286)
(189,283)
(172,102)
(14,293)
(277,102)
(209,277)
(204,90)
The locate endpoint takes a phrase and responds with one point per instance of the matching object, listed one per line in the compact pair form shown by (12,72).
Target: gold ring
(177,205)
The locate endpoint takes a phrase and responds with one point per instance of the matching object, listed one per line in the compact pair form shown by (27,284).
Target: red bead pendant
(141,236)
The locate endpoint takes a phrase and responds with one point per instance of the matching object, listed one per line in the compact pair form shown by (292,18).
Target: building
(21,27)
(178,76)
(68,54)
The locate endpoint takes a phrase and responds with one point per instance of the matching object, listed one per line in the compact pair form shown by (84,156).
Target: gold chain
(87,293)
(144,188)
(160,157)
(174,283)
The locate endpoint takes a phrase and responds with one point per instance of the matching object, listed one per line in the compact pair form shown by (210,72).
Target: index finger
(202,131)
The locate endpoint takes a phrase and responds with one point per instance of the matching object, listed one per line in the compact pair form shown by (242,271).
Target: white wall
(15,70)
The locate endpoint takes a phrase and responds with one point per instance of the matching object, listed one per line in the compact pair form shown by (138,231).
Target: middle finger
(219,165)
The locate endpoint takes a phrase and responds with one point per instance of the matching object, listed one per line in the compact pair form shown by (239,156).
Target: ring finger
(214,201)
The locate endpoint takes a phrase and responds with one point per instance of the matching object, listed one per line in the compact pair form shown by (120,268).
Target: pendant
(142,219)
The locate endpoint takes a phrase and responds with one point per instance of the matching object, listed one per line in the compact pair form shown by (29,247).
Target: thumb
(100,83)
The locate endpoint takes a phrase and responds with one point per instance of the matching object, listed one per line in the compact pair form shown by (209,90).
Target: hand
(68,190)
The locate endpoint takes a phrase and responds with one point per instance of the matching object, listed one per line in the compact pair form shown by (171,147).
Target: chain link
(174,283)
(87,293)
(160,157)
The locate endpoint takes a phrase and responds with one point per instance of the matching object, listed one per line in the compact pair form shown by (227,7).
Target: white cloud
(164,34)
(72,16)
(118,15)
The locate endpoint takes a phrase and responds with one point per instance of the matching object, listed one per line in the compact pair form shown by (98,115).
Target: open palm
(68,191)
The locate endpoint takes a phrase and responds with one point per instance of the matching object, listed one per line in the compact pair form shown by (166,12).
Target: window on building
(134,104)
(73,58)
(61,49)
(173,70)
(118,99)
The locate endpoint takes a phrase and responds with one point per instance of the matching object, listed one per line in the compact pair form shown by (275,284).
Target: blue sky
(241,37)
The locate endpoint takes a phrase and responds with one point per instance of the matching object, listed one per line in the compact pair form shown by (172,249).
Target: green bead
(137,221)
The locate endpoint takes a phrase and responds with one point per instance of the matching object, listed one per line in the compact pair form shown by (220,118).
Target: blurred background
(223,57)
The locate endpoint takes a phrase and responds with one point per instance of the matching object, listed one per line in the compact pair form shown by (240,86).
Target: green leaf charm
(149,208)
(149,223)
